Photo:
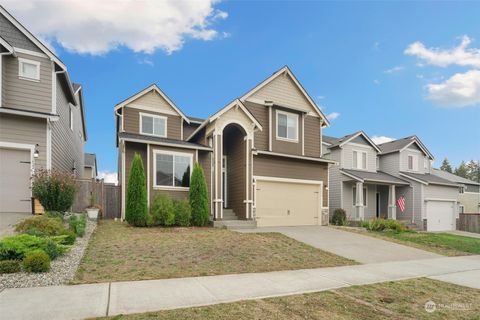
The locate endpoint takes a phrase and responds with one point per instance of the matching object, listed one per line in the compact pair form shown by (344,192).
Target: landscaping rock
(62,271)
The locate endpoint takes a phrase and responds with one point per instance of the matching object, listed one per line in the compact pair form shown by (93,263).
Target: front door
(377,202)
(224,181)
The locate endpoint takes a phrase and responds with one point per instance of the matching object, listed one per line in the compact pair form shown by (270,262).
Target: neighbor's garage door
(287,203)
(440,215)
(15,180)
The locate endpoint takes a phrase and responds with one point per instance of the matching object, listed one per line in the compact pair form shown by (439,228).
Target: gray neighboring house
(90,166)
(386,172)
(42,123)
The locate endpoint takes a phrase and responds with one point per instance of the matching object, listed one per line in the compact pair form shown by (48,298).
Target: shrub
(77,225)
(36,261)
(183,213)
(52,249)
(339,217)
(136,212)
(54,215)
(9,266)
(17,247)
(70,237)
(198,197)
(41,226)
(384,225)
(54,189)
(162,211)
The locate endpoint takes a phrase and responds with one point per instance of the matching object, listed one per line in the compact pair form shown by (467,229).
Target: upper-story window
(412,162)
(153,125)
(377,163)
(425,163)
(28,69)
(287,126)
(360,160)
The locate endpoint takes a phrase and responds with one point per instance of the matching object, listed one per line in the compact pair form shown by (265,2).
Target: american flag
(401,203)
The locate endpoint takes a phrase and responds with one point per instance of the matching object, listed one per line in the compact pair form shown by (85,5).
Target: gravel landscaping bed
(62,271)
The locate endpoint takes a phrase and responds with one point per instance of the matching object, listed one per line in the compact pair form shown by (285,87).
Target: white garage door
(15,180)
(440,215)
(287,203)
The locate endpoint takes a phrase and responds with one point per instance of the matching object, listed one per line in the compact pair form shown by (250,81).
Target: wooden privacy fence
(469,222)
(107,196)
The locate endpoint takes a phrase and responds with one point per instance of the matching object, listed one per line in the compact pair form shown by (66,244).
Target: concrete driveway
(8,221)
(363,249)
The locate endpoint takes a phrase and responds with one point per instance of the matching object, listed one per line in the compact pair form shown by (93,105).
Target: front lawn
(441,243)
(389,300)
(118,252)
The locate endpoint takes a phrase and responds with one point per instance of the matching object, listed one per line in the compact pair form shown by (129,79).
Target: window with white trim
(377,163)
(412,162)
(461,190)
(153,125)
(287,126)
(28,69)
(360,160)
(70,118)
(172,169)
(364,196)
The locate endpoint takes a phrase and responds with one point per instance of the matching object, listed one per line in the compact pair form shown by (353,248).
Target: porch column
(217,167)
(360,214)
(248,178)
(392,208)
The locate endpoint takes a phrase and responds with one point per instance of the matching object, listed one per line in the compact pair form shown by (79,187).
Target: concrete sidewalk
(95,300)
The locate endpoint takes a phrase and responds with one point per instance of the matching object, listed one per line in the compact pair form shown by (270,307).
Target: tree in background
(198,197)
(461,170)
(446,166)
(136,212)
(473,170)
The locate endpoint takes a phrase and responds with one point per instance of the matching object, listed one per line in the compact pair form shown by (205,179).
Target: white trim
(31,53)
(148,176)
(165,144)
(440,199)
(70,116)
(246,178)
(155,88)
(268,153)
(1,78)
(54,89)
(287,114)
(172,153)
(49,145)
(22,76)
(224,182)
(365,136)
(466,192)
(355,160)
(270,129)
(153,116)
(414,162)
(352,176)
(122,149)
(414,179)
(7,46)
(30,114)
(365,197)
(181,129)
(303,135)
(276,179)
(152,109)
(231,105)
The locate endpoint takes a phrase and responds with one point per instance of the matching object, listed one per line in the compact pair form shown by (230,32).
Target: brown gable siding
(234,149)
(132,122)
(312,136)
(292,169)
(260,112)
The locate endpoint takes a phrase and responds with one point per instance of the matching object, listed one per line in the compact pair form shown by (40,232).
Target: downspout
(413,205)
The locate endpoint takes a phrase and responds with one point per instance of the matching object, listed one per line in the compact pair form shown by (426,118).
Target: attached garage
(15,169)
(441,215)
(287,202)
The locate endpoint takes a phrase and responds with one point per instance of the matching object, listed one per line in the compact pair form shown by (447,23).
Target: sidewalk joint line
(108,298)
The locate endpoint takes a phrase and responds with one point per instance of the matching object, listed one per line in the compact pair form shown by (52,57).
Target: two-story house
(357,184)
(261,153)
(42,123)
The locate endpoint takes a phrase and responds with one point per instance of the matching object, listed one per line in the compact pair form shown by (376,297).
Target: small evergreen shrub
(384,225)
(41,226)
(55,215)
(70,237)
(183,213)
(198,196)
(54,189)
(78,224)
(9,266)
(339,217)
(52,249)
(162,211)
(136,212)
(17,247)
(36,261)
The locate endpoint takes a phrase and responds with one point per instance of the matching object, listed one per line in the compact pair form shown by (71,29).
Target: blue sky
(349,56)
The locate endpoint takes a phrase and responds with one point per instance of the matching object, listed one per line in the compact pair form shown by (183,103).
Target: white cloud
(376,45)
(333,115)
(375,81)
(381,139)
(462,89)
(109,177)
(461,55)
(394,69)
(96,27)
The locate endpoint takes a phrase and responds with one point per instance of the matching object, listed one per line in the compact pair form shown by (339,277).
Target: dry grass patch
(118,252)
(390,300)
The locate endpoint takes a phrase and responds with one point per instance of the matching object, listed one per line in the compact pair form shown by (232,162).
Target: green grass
(388,300)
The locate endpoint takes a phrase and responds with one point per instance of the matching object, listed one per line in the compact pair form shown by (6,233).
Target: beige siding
(25,130)
(132,122)
(312,136)
(26,94)
(470,201)
(67,144)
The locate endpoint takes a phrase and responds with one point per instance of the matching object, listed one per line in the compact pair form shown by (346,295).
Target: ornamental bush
(17,247)
(339,217)
(36,261)
(54,189)
(384,225)
(78,225)
(9,266)
(198,197)
(136,212)
(162,211)
(41,226)
(183,213)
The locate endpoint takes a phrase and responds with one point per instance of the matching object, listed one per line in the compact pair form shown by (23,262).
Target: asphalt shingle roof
(453,177)
(395,145)
(160,140)
(378,176)
(430,178)
(337,141)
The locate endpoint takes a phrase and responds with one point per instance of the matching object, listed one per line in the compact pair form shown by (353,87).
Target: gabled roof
(162,141)
(152,87)
(453,177)
(340,142)
(427,179)
(234,103)
(376,177)
(286,70)
(7,45)
(402,144)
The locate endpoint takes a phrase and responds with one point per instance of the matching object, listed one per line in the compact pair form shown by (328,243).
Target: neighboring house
(357,184)
(42,123)
(469,196)
(261,153)
(90,166)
